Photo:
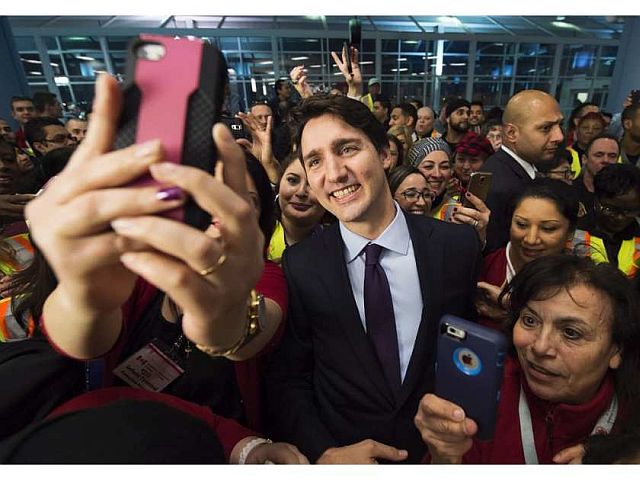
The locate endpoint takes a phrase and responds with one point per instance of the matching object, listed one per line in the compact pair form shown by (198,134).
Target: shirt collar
(530,169)
(395,237)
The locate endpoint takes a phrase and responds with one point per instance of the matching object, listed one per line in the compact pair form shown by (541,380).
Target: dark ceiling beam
(50,22)
(501,25)
(539,27)
(373,24)
(221,22)
(417,24)
(109,22)
(164,22)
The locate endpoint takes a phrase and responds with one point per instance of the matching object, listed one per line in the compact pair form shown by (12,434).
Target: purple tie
(378,310)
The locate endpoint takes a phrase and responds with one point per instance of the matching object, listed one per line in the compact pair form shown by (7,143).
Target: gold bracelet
(252,328)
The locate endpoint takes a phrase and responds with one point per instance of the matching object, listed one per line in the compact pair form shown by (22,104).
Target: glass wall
(410,68)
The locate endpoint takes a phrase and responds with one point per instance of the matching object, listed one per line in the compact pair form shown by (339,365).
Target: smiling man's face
(345,170)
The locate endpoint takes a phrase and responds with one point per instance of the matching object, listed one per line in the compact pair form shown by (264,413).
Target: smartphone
(346,53)
(174,91)
(355,32)
(635,97)
(469,366)
(479,185)
(236,126)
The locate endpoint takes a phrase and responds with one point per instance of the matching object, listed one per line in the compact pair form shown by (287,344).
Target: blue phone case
(469,370)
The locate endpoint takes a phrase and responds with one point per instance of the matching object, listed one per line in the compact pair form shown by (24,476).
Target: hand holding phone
(173,92)
(469,367)
(479,185)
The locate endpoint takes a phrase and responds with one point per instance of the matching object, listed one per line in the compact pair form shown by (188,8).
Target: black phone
(174,91)
(346,53)
(635,97)
(236,126)
(479,185)
(355,32)
(469,367)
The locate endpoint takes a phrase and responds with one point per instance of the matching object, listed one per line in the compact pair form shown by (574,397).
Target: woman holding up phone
(432,156)
(106,245)
(573,370)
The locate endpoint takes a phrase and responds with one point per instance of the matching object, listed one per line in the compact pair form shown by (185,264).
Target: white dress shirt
(530,169)
(399,263)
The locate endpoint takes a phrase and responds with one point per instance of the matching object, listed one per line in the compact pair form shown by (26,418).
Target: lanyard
(603,425)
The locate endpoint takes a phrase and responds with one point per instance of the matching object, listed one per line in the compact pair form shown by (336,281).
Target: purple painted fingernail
(171,193)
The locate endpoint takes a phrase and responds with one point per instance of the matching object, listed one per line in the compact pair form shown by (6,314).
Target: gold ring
(215,266)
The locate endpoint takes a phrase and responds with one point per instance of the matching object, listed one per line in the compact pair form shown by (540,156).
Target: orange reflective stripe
(4,308)
(24,241)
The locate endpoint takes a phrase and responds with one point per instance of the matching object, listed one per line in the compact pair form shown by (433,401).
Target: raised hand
(299,79)
(354,80)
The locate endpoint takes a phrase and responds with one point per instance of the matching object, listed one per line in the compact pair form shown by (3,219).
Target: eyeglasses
(413,195)
(59,138)
(615,211)
(565,173)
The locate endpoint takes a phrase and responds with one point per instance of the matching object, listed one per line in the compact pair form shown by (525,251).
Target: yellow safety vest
(368,101)
(277,244)
(445,211)
(22,256)
(587,245)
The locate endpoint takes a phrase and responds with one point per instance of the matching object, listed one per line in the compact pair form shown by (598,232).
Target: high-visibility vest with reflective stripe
(10,329)
(23,255)
(576,163)
(368,101)
(445,211)
(587,245)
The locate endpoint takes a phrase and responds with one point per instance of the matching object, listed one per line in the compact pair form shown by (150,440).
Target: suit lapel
(515,167)
(340,295)
(430,263)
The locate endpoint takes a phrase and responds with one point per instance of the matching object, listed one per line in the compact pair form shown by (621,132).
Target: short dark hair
(383,100)
(630,112)
(6,145)
(489,124)
(477,102)
(615,180)
(53,162)
(600,137)
(555,191)
(42,99)
(280,82)
(398,173)
(544,277)
(408,110)
(352,112)
(494,113)
(19,99)
(592,116)
(34,129)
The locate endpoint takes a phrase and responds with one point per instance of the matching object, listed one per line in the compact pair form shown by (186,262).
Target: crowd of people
(301,326)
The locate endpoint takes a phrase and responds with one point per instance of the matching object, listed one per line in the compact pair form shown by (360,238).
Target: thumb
(380,450)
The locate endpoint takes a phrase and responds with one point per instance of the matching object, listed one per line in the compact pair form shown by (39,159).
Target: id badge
(149,368)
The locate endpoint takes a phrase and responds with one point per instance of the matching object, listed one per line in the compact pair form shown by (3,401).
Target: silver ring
(475,223)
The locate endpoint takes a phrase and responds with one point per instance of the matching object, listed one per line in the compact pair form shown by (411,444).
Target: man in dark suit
(333,388)
(531,135)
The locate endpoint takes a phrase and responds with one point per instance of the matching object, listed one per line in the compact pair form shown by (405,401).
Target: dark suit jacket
(325,385)
(509,179)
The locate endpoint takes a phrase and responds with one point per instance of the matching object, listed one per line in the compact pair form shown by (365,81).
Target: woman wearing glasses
(410,189)
(613,234)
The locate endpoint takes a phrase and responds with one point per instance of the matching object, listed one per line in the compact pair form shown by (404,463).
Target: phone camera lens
(150,51)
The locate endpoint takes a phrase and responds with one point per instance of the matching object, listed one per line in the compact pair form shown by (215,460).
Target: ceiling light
(369,62)
(295,59)
(432,57)
(61,80)
(565,25)
(54,64)
(35,73)
(26,60)
(402,59)
(316,66)
(410,42)
(231,71)
(266,62)
(87,59)
(254,86)
(560,18)
(399,69)
(458,64)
